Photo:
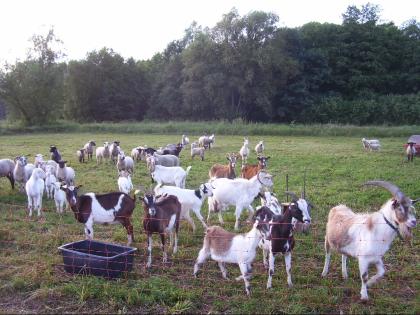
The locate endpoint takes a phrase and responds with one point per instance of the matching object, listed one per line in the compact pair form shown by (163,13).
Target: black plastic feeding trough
(97,258)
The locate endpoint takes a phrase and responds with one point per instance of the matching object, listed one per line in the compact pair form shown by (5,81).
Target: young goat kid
(281,238)
(161,215)
(368,236)
(226,247)
(111,208)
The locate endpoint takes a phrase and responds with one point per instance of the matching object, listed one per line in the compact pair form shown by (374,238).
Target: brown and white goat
(224,171)
(368,236)
(161,215)
(411,151)
(250,170)
(111,208)
(226,247)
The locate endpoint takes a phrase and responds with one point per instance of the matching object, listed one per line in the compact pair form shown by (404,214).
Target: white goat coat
(34,190)
(67,174)
(174,175)
(59,198)
(125,184)
(238,192)
(50,179)
(188,200)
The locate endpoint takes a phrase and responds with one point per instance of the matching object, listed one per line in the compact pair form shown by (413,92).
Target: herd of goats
(367,236)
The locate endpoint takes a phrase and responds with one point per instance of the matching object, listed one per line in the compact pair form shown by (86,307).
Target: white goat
(103,153)
(372,145)
(227,247)
(34,190)
(185,140)
(196,150)
(189,199)
(125,184)
(368,236)
(238,192)
(60,198)
(244,151)
(125,163)
(39,161)
(174,175)
(50,179)
(259,148)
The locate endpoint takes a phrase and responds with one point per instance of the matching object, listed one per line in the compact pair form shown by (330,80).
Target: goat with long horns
(368,236)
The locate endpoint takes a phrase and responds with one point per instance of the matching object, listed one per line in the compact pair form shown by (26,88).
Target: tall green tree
(33,89)
(105,87)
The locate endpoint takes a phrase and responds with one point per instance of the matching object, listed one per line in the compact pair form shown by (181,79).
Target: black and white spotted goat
(280,239)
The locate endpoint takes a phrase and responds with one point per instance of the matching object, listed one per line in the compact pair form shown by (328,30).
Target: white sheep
(238,192)
(372,144)
(22,171)
(89,148)
(103,153)
(65,173)
(190,200)
(125,184)
(6,170)
(125,163)
(34,190)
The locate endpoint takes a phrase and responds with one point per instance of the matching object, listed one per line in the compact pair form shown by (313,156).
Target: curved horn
(393,189)
(292,194)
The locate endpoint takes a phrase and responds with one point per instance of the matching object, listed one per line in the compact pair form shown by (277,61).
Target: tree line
(245,67)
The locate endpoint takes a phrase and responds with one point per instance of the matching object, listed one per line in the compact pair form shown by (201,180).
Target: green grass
(237,127)
(32,278)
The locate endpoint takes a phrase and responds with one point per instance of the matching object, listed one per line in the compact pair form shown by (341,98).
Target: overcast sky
(141,28)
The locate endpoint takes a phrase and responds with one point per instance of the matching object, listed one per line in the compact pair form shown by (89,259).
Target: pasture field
(32,278)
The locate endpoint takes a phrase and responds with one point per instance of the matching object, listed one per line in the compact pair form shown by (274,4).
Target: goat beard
(405,232)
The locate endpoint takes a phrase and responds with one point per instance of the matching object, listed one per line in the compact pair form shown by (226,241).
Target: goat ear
(395,203)
(415,200)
